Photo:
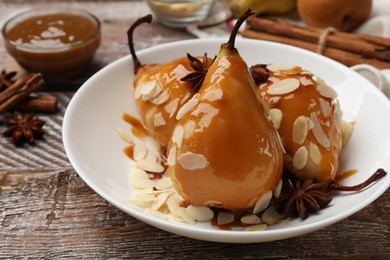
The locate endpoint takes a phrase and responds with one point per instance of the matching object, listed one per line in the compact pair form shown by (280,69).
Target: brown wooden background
(47,211)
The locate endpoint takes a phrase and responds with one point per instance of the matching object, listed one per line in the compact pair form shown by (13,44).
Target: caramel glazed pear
(215,159)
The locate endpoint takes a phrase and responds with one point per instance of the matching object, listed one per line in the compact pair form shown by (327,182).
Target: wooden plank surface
(47,211)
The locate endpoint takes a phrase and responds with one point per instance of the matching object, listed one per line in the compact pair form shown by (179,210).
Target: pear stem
(379,174)
(240,21)
(146,19)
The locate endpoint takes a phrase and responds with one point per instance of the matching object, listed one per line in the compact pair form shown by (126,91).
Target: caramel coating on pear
(227,153)
(310,121)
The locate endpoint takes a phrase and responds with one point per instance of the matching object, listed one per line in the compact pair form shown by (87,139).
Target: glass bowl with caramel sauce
(58,42)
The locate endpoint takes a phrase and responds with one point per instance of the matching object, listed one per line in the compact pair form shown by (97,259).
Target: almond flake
(193,102)
(299,132)
(315,153)
(156,213)
(200,213)
(150,166)
(278,189)
(164,183)
(150,114)
(173,205)
(259,227)
(161,199)
(318,132)
(192,161)
(326,91)
(155,91)
(145,88)
(300,158)
(276,117)
(225,218)
(325,107)
(251,219)
(177,136)
(337,117)
(271,216)
(284,86)
(171,160)
(139,179)
(213,94)
(263,202)
(160,99)
(139,151)
(171,107)
(159,120)
(189,128)
(305,81)
(182,212)
(125,137)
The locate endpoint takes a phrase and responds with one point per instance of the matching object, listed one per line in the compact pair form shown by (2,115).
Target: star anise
(200,70)
(23,128)
(6,79)
(299,198)
(260,73)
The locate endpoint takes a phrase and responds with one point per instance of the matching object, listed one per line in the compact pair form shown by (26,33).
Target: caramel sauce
(345,175)
(129,151)
(138,129)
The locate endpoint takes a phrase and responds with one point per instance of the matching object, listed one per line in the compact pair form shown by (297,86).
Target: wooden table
(47,211)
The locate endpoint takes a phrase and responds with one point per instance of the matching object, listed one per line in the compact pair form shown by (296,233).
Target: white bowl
(96,151)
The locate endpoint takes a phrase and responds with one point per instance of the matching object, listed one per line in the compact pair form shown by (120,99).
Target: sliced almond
(251,219)
(259,227)
(189,128)
(164,183)
(171,107)
(182,212)
(149,116)
(159,120)
(278,189)
(192,161)
(178,134)
(171,160)
(144,88)
(213,94)
(271,216)
(140,180)
(284,86)
(325,107)
(160,200)
(156,213)
(200,213)
(299,132)
(193,102)
(305,81)
(125,137)
(318,132)
(338,117)
(326,91)
(225,218)
(161,98)
(315,153)
(140,151)
(153,93)
(150,166)
(173,205)
(300,158)
(263,202)
(276,117)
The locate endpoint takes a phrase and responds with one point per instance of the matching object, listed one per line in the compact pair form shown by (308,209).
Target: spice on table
(6,79)
(200,70)
(23,128)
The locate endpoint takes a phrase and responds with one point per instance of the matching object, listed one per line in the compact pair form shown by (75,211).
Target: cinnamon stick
(342,56)
(19,90)
(364,45)
(42,104)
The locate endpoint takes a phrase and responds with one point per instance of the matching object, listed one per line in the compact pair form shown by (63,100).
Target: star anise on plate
(259,72)
(300,198)
(6,79)
(23,128)
(200,70)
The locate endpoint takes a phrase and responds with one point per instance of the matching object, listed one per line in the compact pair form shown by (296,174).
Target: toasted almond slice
(213,94)
(192,161)
(139,151)
(171,160)
(299,132)
(278,189)
(263,202)
(315,153)
(153,93)
(178,134)
(145,88)
(156,213)
(182,212)
(189,128)
(276,117)
(318,132)
(259,227)
(125,137)
(164,183)
(141,183)
(284,86)
(325,107)
(200,213)
(159,119)
(173,205)
(150,166)
(300,158)
(326,91)
(171,107)
(161,98)
(149,116)
(251,219)
(271,216)
(193,102)
(225,218)
(161,199)
(305,81)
